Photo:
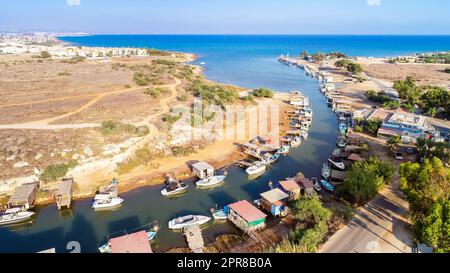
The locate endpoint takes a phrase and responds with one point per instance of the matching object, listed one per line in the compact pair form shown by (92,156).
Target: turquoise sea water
(248,61)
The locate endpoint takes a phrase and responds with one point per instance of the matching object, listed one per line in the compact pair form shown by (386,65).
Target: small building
(63,196)
(246,216)
(203,170)
(291,188)
(194,237)
(274,202)
(131,243)
(307,187)
(24,196)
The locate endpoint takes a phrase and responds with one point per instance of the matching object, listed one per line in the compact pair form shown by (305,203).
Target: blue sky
(228,16)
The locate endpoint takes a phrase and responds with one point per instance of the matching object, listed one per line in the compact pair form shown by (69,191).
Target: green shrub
(141,79)
(365,179)
(262,93)
(56,171)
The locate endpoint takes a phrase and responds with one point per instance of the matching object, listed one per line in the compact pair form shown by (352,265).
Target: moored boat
(284,150)
(337,162)
(105,201)
(316,184)
(257,168)
(174,188)
(219,214)
(211,181)
(326,171)
(341,142)
(15,216)
(327,185)
(188,220)
(343,128)
(296,142)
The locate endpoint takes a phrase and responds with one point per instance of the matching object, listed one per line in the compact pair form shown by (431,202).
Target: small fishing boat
(316,184)
(296,142)
(304,135)
(271,158)
(326,171)
(342,142)
(284,150)
(327,185)
(188,220)
(337,162)
(211,181)
(308,112)
(151,234)
(343,128)
(219,214)
(15,216)
(174,188)
(257,168)
(105,201)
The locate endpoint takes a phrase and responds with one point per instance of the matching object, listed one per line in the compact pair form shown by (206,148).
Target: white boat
(257,168)
(316,184)
(211,181)
(326,171)
(296,142)
(337,162)
(106,248)
(219,214)
(304,135)
(14,216)
(105,201)
(188,220)
(174,188)
(284,150)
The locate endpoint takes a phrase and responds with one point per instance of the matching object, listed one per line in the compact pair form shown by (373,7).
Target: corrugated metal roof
(131,243)
(289,185)
(274,195)
(247,211)
(202,166)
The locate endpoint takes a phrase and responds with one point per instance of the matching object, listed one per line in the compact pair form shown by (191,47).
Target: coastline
(129,182)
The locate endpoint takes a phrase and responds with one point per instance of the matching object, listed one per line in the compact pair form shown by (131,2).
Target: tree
(427,189)
(373,125)
(393,142)
(318,57)
(365,179)
(304,55)
(342,63)
(354,68)
(262,93)
(435,230)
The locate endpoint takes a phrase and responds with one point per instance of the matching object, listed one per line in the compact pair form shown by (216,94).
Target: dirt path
(45,124)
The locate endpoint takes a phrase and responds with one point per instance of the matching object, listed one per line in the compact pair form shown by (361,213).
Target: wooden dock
(63,196)
(244,164)
(194,238)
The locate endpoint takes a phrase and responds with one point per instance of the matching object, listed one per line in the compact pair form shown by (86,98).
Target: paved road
(386,86)
(378,227)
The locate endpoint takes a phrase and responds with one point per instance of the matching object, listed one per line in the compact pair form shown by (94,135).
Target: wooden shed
(63,196)
(131,243)
(307,187)
(291,188)
(24,196)
(203,170)
(246,216)
(273,201)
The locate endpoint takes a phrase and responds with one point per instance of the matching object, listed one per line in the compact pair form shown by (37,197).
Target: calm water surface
(248,61)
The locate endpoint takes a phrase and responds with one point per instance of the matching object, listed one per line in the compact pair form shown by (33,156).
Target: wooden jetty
(338,175)
(244,164)
(294,132)
(63,196)
(194,238)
